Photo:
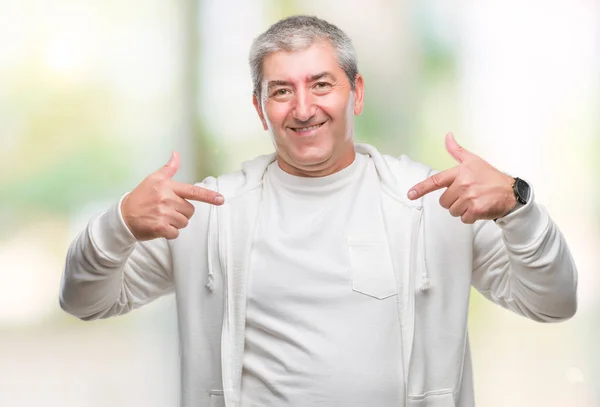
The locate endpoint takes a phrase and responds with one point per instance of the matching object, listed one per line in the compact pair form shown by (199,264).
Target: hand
(476,190)
(158,207)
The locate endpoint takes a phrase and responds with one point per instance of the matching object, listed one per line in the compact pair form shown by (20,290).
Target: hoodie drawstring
(210,284)
(425,280)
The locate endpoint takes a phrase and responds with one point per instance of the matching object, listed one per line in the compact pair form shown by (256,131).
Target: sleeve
(108,272)
(522,262)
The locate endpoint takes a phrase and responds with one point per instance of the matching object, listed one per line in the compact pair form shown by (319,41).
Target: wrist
(123,216)
(518,196)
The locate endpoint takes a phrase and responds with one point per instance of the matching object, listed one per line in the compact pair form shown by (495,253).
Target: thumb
(456,150)
(170,168)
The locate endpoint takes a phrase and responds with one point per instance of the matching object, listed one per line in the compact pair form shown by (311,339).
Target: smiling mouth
(307,128)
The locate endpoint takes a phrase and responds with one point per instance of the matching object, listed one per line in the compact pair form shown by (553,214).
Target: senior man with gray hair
(327,273)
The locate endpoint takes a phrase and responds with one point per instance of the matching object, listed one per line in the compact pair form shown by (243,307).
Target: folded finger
(458,208)
(178,220)
(450,196)
(185,208)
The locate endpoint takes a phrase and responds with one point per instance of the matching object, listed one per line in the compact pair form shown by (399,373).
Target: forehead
(300,65)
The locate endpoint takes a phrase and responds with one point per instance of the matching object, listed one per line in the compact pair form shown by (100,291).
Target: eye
(280,92)
(322,85)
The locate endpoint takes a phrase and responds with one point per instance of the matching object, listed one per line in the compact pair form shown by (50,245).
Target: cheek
(276,113)
(334,105)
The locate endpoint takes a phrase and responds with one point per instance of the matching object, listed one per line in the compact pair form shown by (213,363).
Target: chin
(312,157)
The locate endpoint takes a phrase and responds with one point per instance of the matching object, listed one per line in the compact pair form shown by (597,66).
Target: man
(326,274)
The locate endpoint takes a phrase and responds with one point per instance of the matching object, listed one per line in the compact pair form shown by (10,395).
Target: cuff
(525,224)
(110,234)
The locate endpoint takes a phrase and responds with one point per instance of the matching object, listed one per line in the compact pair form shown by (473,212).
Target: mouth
(307,130)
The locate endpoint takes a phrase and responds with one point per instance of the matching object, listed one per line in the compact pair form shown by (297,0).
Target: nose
(305,106)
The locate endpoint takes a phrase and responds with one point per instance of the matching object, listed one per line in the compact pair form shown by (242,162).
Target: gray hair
(297,33)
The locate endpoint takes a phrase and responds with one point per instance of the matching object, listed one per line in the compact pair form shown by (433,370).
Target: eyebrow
(311,78)
(321,75)
(272,84)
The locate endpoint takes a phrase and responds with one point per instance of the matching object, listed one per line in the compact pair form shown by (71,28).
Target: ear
(259,111)
(359,94)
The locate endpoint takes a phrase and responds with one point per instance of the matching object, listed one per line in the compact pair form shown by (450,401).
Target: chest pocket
(371,267)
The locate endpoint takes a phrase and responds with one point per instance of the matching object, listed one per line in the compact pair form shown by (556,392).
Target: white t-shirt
(311,339)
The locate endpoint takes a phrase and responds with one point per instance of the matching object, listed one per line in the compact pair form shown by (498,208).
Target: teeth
(316,126)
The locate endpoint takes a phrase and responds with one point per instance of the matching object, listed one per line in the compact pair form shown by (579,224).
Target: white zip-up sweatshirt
(521,262)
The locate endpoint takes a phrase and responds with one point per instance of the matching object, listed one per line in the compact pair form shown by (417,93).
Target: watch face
(522,189)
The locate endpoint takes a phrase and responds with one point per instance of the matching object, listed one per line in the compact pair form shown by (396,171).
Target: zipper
(225,353)
(414,253)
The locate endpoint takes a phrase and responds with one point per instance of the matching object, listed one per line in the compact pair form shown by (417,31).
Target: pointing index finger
(437,181)
(196,193)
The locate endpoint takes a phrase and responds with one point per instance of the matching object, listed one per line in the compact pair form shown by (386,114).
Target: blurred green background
(95,95)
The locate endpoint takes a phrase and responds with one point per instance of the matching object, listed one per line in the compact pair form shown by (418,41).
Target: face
(309,107)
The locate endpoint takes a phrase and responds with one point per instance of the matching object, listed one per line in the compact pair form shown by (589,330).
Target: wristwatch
(521,190)
(522,194)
